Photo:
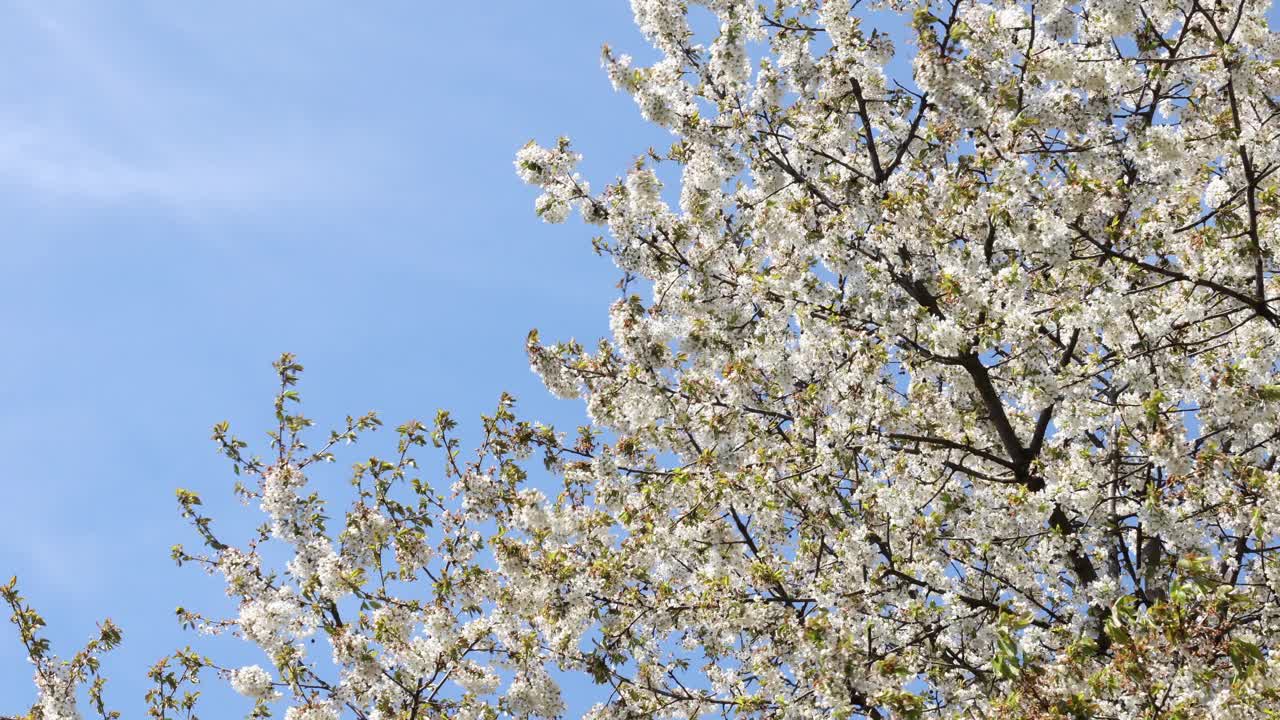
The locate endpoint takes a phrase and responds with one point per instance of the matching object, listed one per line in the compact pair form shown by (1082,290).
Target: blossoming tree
(951,395)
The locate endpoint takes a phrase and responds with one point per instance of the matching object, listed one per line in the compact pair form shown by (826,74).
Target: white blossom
(251,681)
(56,694)
(318,710)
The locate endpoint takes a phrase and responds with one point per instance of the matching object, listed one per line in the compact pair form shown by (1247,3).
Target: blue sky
(190,189)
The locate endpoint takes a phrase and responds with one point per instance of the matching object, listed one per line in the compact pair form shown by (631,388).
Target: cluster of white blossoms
(949,395)
(953,395)
(396,654)
(550,169)
(57,694)
(320,710)
(59,682)
(251,681)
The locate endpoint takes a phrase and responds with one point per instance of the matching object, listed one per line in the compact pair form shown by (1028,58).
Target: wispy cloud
(64,164)
(101,117)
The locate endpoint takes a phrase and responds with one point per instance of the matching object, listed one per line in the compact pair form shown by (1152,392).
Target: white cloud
(68,165)
(104,117)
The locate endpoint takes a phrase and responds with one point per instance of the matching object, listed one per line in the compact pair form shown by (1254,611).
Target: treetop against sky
(942,382)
